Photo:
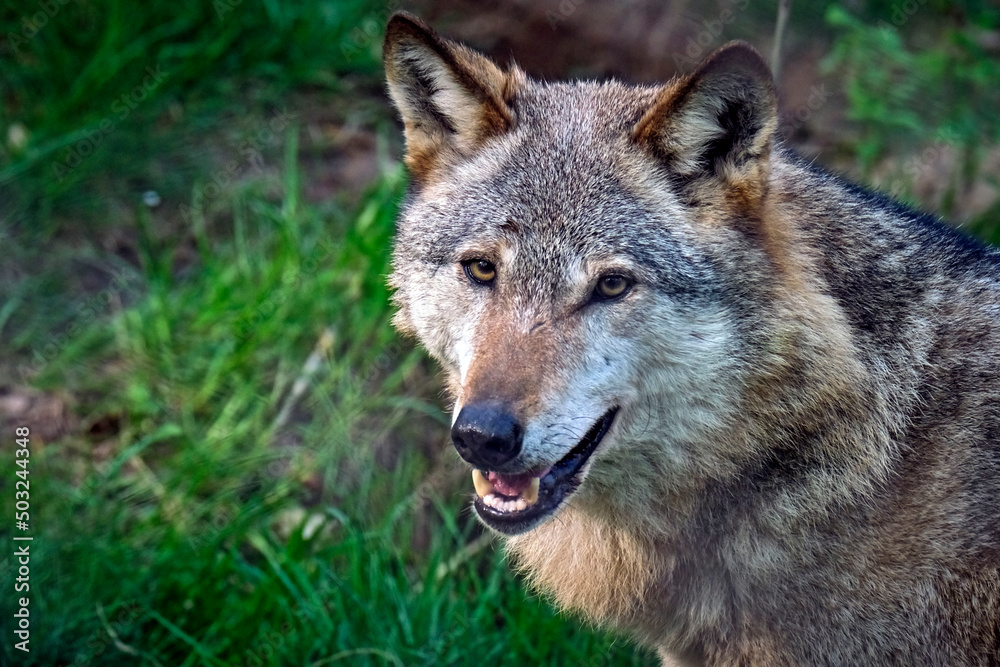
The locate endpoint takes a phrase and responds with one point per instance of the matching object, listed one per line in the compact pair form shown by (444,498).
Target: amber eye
(480,271)
(612,287)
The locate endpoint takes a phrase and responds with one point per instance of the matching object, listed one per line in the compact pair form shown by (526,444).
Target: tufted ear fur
(718,121)
(450,97)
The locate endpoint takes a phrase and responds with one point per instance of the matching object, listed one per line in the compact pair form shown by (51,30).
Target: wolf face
(561,252)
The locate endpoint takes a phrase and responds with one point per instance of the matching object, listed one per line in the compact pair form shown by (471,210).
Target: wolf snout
(487,435)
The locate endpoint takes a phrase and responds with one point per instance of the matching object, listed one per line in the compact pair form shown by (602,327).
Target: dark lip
(554,488)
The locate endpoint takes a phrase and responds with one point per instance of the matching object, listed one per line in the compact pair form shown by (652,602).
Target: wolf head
(566,252)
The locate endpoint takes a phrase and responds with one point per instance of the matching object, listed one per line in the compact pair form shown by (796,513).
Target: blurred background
(234,459)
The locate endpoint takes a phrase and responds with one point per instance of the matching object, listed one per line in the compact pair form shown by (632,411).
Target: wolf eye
(611,287)
(480,271)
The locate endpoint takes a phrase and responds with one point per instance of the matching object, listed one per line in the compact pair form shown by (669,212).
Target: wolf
(711,395)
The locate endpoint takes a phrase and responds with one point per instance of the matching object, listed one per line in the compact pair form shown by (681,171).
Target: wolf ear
(719,120)
(451,98)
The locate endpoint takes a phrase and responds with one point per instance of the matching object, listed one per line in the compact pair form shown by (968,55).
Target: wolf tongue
(517,485)
(510,485)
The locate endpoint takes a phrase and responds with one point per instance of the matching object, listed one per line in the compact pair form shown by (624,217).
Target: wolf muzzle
(487,435)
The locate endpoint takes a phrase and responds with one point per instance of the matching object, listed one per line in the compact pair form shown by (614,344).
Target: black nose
(486,435)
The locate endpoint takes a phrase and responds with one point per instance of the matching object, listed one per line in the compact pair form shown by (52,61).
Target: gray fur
(805,468)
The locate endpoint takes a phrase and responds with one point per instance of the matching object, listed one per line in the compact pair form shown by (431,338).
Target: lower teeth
(504,505)
(484,489)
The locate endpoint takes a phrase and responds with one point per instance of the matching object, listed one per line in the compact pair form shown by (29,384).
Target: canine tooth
(483,485)
(530,494)
(520,504)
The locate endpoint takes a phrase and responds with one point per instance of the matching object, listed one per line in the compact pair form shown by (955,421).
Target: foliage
(910,98)
(87,86)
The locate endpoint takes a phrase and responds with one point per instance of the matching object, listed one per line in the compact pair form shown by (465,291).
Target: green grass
(85,84)
(75,159)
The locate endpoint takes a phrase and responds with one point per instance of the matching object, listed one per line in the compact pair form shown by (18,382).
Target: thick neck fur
(836,478)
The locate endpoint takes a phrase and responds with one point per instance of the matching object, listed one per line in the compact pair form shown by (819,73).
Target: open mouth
(515,503)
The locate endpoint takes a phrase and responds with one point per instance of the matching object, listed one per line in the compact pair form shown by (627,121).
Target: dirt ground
(635,40)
